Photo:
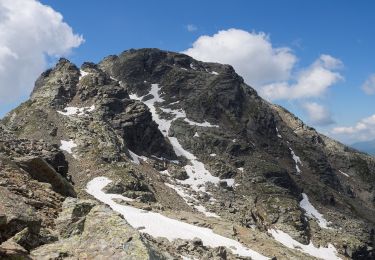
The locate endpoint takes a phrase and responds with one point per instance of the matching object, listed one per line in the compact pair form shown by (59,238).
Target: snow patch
(192,66)
(173,103)
(67,146)
(278,134)
(165,172)
(213,154)
(187,258)
(158,225)
(181,114)
(343,173)
(214,73)
(230,182)
(137,158)
(196,134)
(83,73)
(296,159)
(163,159)
(329,253)
(240,169)
(207,213)
(198,175)
(70,111)
(312,212)
(204,124)
(191,201)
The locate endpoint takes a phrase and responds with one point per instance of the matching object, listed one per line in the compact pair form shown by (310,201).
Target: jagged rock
(219,253)
(17,215)
(197,242)
(11,250)
(71,220)
(57,85)
(29,239)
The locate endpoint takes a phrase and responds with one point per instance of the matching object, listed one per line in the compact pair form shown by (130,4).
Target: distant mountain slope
(367,147)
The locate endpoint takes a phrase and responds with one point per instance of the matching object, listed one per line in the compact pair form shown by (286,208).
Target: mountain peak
(188,142)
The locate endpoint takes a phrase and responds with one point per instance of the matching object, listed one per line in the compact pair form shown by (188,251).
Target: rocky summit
(151,154)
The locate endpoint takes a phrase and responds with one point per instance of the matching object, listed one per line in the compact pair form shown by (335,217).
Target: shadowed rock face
(225,100)
(271,155)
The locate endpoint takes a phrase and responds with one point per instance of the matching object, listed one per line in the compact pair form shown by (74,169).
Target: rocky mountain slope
(154,155)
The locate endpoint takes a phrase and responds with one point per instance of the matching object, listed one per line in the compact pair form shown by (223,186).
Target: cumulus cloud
(310,82)
(318,114)
(271,70)
(362,131)
(369,85)
(30,32)
(191,28)
(251,54)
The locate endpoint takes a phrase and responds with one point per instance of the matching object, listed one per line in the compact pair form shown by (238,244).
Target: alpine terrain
(154,155)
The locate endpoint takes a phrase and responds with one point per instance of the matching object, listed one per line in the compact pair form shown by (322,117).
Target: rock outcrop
(91,231)
(33,183)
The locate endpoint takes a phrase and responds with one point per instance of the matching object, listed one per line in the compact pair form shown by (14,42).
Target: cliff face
(191,141)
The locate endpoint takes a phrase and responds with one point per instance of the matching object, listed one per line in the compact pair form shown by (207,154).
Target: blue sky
(341,29)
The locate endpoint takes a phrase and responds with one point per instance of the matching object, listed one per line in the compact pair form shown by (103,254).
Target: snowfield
(158,225)
(327,253)
(198,174)
(312,212)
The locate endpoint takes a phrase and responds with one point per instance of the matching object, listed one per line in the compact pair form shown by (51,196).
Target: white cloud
(251,54)
(30,32)
(265,67)
(330,62)
(369,85)
(310,82)
(318,114)
(191,28)
(362,131)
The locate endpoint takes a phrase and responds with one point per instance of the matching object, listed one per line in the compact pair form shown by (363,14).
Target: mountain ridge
(184,116)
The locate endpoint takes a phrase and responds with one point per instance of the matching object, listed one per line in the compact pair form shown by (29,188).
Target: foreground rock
(91,231)
(33,184)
